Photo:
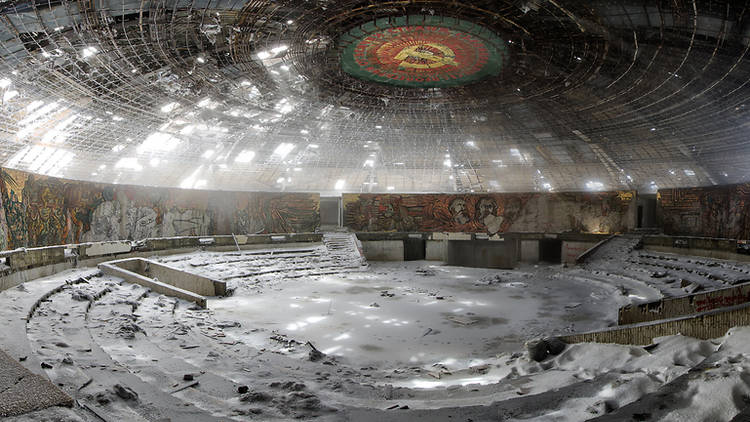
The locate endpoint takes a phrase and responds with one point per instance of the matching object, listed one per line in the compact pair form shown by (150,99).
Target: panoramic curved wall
(590,212)
(39,211)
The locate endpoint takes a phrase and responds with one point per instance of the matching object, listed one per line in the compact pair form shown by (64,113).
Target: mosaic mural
(39,210)
(422,51)
(720,211)
(602,212)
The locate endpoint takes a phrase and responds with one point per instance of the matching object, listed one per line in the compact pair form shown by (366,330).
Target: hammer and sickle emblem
(433,60)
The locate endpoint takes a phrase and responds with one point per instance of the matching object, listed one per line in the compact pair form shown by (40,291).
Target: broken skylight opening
(118,148)
(339,184)
(129,163)
(283,150)
(158,141)
(4,83)
(89,51)
(9,95)
(245,156)
(169,107)
(594,185)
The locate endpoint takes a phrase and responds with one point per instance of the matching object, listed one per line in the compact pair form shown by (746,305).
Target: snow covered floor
(417,313)
(414,341)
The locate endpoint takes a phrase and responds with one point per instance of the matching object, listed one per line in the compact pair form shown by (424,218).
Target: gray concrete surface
(22,391)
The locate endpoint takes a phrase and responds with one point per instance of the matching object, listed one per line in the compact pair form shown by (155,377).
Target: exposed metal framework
(250,95)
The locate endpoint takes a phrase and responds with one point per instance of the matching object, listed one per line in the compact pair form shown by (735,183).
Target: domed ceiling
(404,96)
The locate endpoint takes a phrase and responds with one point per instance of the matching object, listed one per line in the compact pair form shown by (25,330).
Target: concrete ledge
(112,269)
(383,250)
(684,305)
(707,253)
(707,325)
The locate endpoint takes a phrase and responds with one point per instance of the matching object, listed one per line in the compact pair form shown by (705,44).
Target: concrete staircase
(344,249)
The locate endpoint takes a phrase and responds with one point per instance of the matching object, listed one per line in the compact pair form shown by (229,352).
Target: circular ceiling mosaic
(422,52)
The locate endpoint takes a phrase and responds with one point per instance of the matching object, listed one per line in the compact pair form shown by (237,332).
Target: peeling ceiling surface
(377,96)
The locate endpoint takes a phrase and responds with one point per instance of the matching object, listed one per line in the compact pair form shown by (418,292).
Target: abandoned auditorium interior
(374,210)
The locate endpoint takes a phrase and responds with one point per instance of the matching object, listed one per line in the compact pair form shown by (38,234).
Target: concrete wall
(483,253)
(704,326)
(383,250)
(529,251)
(192,282)
(571,250)
(684,305)
(436,250)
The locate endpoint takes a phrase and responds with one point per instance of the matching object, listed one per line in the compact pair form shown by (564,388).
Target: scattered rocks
(243,389)
(425,272)
(256,396)
(80,296)
(374,305)
(659,274)
(188,377)
(288,386)
(302,400)
(46,365)
(228,324)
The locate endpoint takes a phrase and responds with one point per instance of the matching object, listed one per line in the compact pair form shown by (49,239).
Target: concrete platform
(22,391)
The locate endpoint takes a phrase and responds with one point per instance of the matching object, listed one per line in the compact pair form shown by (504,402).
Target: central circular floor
(417,313)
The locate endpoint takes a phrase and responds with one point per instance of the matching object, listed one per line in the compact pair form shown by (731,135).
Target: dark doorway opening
(329,211)
(550,250)
(640,216)
(414,249)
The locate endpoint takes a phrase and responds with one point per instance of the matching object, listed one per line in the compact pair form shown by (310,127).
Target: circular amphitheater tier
(422,52)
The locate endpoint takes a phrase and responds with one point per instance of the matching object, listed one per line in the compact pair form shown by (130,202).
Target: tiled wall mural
(601,212)
(39,210)
(719,211)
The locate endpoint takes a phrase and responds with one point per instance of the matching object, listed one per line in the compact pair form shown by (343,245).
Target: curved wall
(39,211)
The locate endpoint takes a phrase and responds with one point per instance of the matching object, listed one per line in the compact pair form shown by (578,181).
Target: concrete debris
(124,393)
(256,396)
(80,295)
(315,354)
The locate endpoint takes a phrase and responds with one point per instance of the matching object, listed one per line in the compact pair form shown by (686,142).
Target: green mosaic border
(497,49)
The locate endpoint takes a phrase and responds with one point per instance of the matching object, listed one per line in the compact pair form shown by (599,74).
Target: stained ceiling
(357,96)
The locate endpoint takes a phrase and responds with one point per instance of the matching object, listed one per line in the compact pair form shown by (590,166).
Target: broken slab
(115,268)
(22,391)
(195,283)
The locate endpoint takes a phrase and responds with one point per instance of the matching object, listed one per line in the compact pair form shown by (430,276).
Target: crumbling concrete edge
(704,326)
(110,269)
